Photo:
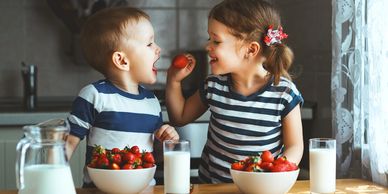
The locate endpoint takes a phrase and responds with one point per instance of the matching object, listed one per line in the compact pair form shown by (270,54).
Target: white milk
(176,172)
(47,179)
(322,170)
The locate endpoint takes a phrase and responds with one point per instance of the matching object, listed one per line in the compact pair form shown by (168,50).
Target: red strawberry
(148,165)
(238,165)
(102,162)
(292,166)
(128,157)
(279,160)
(115,150)
(114,166)
(267,156)
(116,158)
(127,166)
(282,167)
(138,161)
(98,150)
(266,166)
(135,149)
(180,61)
(148,157)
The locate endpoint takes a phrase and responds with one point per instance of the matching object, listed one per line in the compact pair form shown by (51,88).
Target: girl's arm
(180,110)
(293,135)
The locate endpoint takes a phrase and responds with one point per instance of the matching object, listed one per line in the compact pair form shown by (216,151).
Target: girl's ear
(253,49)
(120,61)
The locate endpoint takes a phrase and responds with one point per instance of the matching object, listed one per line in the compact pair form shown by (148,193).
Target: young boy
(117,111)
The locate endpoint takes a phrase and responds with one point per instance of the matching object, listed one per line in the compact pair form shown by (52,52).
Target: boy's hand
(166,132)
(177,74)
(71,144)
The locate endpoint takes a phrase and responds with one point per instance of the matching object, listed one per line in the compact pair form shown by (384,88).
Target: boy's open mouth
(213,60)
(154,69)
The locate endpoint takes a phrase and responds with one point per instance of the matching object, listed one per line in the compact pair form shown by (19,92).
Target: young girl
(253,103)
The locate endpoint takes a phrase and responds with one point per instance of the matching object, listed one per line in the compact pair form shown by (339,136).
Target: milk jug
(41,165)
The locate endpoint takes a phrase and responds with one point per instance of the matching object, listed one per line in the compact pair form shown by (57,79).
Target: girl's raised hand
(181,67)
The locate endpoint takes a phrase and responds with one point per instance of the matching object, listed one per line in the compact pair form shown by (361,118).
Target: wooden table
(300,187)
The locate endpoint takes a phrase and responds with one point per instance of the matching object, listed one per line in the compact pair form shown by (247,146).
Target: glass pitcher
(41,163)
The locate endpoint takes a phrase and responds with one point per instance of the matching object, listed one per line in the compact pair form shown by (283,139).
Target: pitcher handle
(21,149)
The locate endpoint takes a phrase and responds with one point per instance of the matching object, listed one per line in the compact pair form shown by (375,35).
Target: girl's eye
(214,41)
(150,44)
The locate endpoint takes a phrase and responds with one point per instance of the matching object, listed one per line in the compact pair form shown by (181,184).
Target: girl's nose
(207,46)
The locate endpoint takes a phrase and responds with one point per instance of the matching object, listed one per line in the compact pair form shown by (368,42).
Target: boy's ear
(253,49)
(120,61)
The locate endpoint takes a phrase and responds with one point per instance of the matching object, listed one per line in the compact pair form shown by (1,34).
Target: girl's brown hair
(103,32)
(249,20)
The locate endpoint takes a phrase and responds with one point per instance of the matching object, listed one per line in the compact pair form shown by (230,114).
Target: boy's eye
(150,44)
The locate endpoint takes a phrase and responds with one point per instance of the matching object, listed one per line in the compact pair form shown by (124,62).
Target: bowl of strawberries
(263,174)
(126,170)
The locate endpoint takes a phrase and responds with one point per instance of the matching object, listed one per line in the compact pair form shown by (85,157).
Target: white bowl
(121,181)
(264,182)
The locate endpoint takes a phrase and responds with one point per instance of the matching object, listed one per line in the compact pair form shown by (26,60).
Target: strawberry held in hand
(180,61)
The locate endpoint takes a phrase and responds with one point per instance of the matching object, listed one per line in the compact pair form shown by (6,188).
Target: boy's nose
(158,50)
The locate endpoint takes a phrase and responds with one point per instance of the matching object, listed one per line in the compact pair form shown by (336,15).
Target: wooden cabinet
(9,137)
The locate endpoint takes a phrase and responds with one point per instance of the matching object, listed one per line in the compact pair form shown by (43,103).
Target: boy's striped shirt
(113,118)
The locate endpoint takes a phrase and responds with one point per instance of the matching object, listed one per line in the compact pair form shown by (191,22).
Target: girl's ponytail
(279,58)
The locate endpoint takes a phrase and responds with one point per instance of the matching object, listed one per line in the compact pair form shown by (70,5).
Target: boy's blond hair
(102,34)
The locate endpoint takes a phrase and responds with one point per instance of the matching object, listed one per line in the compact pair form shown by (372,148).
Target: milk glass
(322,153)
(176,166)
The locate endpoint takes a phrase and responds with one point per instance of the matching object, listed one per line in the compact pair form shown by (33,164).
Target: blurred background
(45,33)
(36,32)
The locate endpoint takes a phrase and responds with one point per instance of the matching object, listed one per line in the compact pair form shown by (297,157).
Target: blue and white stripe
(242,125)
(110,117)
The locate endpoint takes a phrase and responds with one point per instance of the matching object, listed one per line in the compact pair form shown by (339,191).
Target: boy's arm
(166,132)
(83,113)
(293,135)
(71,144)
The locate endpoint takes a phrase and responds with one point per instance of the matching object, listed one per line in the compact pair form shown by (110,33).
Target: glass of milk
(176,166)
(322,157)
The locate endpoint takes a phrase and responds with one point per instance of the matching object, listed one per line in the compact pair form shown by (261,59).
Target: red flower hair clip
(274,36)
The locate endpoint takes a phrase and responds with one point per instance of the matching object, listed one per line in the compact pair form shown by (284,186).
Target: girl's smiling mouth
(213,60)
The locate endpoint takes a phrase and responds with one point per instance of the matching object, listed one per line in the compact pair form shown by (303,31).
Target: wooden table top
(300,187)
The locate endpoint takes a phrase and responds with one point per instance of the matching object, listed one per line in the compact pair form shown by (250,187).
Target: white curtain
(360,88)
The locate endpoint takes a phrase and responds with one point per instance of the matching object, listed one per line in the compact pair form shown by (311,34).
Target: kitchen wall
(308,23)
(31,32)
